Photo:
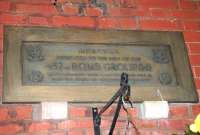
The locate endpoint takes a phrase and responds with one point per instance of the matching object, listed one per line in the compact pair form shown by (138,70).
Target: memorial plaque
(96,64)
(46,64)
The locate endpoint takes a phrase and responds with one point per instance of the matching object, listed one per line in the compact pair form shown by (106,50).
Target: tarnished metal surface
(49,63)
(81,65)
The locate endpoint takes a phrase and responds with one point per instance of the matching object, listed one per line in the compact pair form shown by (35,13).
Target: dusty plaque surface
(96,64)
(46,64)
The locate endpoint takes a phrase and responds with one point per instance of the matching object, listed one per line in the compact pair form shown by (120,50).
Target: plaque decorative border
(81,65)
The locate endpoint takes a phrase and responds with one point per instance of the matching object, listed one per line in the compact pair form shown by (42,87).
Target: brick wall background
(159,15)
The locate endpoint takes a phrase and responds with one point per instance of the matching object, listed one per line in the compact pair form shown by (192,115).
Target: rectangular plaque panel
(96,64)
(80,65)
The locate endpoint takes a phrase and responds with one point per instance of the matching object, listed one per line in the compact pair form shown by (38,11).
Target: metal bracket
(123,91)
(96,121)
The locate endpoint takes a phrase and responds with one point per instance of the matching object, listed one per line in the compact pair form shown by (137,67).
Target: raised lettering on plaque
(84,65)
(46,63)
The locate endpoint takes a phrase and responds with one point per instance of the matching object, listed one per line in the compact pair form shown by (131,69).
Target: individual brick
(186,14)
(187,4)
(70,9)
(76,111)
(12,19)
(160,24)
(24,112)
(76,132)
(4,114)
(40,127)
(172,124)
(196,109)
(109,2)
(116,23)
(178,112)
(142,123)
(166,4)
(74,1)
(45,10)
(192,36)
(5,6)
(127,12)
(34,1)
(107,23)
(80,123)
(38,20)
(74,21)
(194,60)
(192,25)
(11,128)
(194,48)
(128,3)
(58,133)
(92,11)
(161,13)
(127,23)
(153,132)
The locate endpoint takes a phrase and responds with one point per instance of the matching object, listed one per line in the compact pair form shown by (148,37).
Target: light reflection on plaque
(51,63)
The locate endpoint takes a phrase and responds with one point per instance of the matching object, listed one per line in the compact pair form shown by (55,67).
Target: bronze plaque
(96,64)
(47,64)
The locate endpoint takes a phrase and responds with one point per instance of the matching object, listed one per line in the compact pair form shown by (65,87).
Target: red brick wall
(159,15)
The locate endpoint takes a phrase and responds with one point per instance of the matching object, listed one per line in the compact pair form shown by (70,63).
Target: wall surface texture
(156,15)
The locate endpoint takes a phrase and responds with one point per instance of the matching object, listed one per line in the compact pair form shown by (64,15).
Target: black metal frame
(122,93)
